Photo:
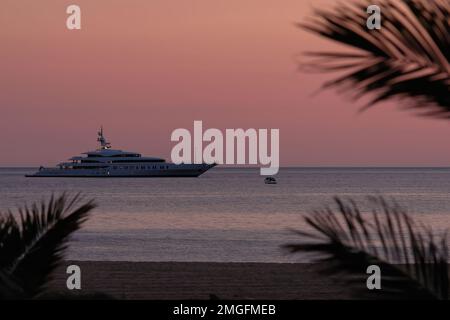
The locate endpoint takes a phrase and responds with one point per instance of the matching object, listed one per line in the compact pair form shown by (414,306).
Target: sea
(225,215)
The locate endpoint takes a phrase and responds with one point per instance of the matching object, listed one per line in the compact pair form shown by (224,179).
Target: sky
(144,68)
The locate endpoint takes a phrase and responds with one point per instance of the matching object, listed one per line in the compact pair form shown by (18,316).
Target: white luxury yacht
(107,162)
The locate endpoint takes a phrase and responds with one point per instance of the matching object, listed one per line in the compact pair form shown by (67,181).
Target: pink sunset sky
(142,68)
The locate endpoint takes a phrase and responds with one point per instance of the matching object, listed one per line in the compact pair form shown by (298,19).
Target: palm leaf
(413,263)
(10,289)
(33,246)
(408,59)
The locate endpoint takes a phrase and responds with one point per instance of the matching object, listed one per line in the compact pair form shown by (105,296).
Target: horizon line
(222,166)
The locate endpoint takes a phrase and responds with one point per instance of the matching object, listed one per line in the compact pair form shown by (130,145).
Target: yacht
(108,162)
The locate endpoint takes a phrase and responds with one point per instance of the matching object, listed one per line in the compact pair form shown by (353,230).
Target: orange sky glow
(144,68)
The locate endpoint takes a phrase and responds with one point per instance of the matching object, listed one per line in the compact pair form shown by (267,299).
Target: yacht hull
(169,171)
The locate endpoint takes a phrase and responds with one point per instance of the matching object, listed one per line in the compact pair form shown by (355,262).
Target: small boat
(270,180)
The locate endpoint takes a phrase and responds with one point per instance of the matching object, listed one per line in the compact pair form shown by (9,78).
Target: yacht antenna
(103,143)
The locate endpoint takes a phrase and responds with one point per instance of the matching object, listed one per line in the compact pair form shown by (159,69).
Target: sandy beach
(197,280)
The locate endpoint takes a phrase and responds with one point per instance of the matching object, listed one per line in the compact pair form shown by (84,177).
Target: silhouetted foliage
(413,262)
(409,58)
(32,243)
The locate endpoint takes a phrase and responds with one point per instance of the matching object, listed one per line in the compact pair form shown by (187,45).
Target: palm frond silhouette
(412,260)
(32,243)
(408,59)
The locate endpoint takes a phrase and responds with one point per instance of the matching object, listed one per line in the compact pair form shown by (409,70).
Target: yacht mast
(103,143)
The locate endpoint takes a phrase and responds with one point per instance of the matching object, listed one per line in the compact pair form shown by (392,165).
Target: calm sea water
(226,214)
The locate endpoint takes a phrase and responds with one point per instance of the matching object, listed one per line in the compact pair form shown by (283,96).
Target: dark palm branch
(408,59)
(32,244)
(413,262)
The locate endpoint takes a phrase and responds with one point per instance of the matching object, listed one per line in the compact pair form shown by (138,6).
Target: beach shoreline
(200,281)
